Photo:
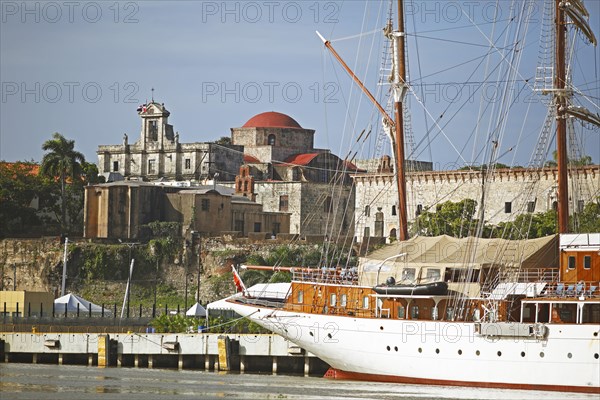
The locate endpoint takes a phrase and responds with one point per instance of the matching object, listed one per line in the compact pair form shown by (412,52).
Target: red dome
(272,119)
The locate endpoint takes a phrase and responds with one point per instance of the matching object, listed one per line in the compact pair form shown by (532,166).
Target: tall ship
(471,311)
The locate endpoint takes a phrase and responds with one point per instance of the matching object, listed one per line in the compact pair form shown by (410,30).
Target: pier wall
(219,352)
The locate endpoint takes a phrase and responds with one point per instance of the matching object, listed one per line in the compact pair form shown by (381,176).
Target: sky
(81,68)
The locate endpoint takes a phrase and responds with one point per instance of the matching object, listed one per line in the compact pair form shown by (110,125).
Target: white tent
(196,310)
(71,300)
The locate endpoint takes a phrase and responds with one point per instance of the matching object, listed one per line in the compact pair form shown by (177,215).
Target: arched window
(271,140)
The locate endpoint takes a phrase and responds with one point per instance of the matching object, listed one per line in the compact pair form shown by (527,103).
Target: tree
(589,219)
(223,140)
(528,226)
(577,162)
(90,174)
(62,161)
(449,218)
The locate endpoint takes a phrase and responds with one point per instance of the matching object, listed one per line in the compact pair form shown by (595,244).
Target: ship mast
(561,122)
(399,88)
(578,16)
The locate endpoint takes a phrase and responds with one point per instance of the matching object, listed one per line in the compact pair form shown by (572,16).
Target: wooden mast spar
(399,88)
(560,97)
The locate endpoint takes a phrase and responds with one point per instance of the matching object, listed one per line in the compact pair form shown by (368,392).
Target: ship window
(408,274)
(401,312)
(433,274)
(366,302)
(587,262)
(571,262)
(300,296)
(343,300)
(542,354)
(332,299)
(414,312)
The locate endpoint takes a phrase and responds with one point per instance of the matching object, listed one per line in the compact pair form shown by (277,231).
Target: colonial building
(507,193)
(284,172)
(158,153)
(122,210)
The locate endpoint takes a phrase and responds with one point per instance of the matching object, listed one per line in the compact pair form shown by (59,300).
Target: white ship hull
(441,352)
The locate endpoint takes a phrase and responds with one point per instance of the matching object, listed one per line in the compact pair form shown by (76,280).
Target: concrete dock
(219,352)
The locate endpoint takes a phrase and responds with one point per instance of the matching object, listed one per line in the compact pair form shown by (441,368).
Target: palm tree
(62,161)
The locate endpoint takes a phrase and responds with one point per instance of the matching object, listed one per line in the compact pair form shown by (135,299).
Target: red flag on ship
(239,284)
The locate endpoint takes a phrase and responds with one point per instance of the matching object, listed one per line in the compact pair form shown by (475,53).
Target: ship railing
(538,275)
(587,289)
(261,302)
(326,275)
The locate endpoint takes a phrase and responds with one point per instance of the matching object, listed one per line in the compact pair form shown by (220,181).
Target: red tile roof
(250,159)
(300,159)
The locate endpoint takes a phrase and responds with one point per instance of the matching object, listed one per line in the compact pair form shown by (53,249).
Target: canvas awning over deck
(466,253)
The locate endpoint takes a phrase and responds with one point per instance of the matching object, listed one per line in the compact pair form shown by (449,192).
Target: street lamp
(187,279)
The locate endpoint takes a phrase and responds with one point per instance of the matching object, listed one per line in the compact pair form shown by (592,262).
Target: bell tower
(156,131)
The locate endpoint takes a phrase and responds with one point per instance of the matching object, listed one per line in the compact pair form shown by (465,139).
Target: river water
(44,382)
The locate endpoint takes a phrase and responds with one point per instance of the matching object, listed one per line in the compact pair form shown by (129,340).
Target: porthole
(437,351)
(522,354)
(499,354)
(595,333)
(329,335)
(460,352)
(396,348)
(596,356)
(569,355)
(542,354)
(388,348)
(381,328)
(421,350)
(311,334)
(477,352)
